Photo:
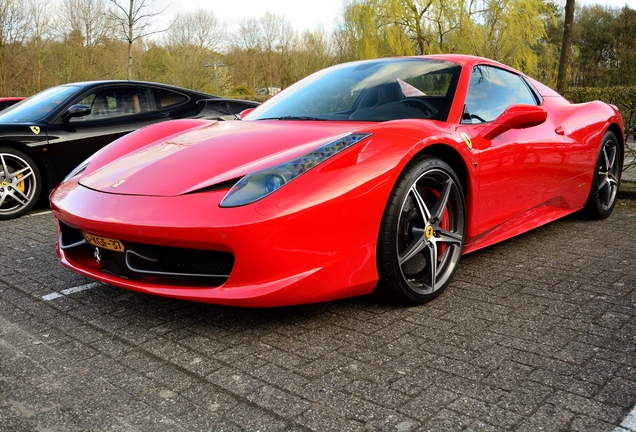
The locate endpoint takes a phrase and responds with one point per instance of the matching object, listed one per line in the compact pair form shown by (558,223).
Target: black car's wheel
(607,171)
(422,233)
(20,183)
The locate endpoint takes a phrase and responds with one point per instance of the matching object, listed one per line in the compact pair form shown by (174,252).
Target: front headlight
(259,184)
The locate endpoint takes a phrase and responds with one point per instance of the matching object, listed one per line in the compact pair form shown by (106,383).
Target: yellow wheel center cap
(606,174)
(5,184)
(429,232)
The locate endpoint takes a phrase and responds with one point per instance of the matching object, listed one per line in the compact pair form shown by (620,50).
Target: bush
(623,97)
(241,90)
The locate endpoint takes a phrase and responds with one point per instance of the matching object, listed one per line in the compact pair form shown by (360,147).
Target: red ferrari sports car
(6,102)
(372,175)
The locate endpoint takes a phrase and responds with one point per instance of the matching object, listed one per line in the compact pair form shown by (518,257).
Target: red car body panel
(11,99)
(6,102)
(149,164)
(315,238)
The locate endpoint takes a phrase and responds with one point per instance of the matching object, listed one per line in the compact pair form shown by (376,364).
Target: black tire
(20,183)
(422,233)
(605,180)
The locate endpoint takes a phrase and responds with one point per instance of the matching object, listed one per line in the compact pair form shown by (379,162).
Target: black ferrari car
(46,135)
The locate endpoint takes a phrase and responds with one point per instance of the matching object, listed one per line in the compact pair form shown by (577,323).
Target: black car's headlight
(260,184)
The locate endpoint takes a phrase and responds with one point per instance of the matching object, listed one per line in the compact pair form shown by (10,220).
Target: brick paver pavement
(536,333)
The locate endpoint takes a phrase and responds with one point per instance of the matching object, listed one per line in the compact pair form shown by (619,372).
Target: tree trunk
(131,39)
(565,46)
(129,63)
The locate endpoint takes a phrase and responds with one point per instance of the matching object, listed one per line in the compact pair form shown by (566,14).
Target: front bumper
(309,254)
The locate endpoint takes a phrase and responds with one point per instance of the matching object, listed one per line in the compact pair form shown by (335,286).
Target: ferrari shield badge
(429,232)
(467,140)
(35,129)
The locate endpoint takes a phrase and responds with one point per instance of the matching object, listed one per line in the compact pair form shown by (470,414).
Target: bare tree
(135,22)
(40,30)
(88,18)
(86,28)
(13,31)
(315,51)
(199,28)
(13,21)
(244,54)
(279,39)
(263,52)
(248,36)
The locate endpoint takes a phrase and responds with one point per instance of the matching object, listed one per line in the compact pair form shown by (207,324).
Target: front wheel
(422,233)
(605,180)
(20,183)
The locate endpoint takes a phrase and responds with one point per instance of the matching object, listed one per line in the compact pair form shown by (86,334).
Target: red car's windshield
(375,90)
(38,106)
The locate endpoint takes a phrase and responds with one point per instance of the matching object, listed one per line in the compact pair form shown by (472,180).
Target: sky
(302,14)
(613,3)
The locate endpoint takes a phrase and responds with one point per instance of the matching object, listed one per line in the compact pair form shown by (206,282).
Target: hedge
(623,97)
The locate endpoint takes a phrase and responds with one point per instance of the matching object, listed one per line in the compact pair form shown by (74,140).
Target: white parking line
(629,422)
(37,213)
(73,290)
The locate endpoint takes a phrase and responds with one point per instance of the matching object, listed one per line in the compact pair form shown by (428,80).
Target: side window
(491,91)
(115,102)
(166,98)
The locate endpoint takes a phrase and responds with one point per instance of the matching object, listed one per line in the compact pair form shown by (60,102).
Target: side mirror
(515,117)
(244,113)
(77,110)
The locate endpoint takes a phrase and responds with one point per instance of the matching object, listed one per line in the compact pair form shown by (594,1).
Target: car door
(114,112)
(520,169)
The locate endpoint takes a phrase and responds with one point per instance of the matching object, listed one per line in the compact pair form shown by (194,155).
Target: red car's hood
(211,154)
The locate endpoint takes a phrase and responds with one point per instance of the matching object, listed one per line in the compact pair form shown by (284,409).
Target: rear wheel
(20,183)
(422,233)
(605,182)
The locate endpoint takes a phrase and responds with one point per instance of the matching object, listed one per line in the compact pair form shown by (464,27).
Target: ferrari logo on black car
(35,129)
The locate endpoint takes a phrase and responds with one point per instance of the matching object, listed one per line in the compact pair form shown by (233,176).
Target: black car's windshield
(374,90)
(38,106)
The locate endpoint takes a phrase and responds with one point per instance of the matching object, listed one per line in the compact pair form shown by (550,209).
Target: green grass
(628,186)
(627,190)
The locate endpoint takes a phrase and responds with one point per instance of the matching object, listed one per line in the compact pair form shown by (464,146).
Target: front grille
(178,262)
(70,237)
(144,260)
